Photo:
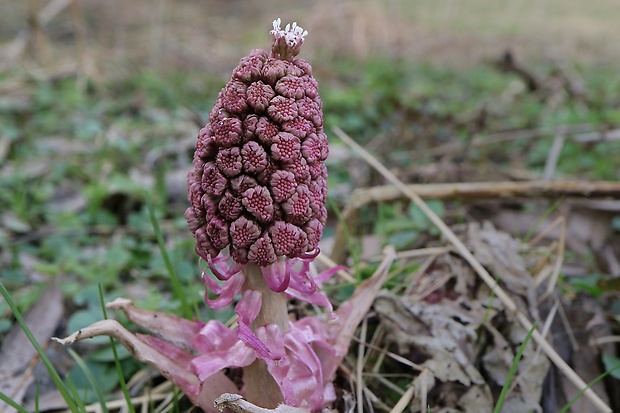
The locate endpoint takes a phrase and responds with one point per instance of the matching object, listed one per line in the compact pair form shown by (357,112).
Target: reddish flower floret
(291,86)
(316,170)
(204,246)
(292,70)
(228,132)
(301,247)
(208,205)
(213,182)
(254,157)
(261,252)
(258,202)
(285,148)
(283,185)
(318,196)
(259,95)
(194,190)
(273,70)
(205,147)
(218,112)
(282,109)
(249,127)
(314,230)
(311,87)
(194,221)
(240,255)
(285,237)
(299,168)
(324,148)
(266,130)
(299,127)
(304,66)
(310,110)
(322,216)
(244,232)
(217,230)
(297,207)
(230,206)
(311,148)
(234,97)
(250,67)
(229,161)
(264,176)
(242,183)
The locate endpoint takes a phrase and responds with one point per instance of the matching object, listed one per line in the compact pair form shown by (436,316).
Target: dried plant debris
(445,334)
(236,403)
(460,334)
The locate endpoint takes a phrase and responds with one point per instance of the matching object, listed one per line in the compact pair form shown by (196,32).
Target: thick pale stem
(260,387)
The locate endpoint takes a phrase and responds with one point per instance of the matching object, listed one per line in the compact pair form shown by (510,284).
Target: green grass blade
(76,396)
(91,379)
(12,403)
(36,398)
(512,371)
(582,391)
(117,362)
(46,361)
(541,219)
(176,284)
(175,402)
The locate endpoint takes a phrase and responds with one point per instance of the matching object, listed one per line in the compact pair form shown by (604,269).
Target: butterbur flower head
(287,43)
(258,188)
(257,197)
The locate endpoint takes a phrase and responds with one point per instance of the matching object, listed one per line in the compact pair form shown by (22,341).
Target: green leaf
(106,354)
(96,385)
(5,325)
(85,318)
(612,364)
(588,283)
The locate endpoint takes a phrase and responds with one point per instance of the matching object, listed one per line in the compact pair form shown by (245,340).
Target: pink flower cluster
(259,184)
(257,193)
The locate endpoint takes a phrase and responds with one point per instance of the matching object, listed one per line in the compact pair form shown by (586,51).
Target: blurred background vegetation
(101,101)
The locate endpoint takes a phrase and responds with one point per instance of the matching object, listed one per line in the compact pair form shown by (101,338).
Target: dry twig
(467,191)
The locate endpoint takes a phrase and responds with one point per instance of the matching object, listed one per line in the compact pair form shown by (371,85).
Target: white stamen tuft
(293,33)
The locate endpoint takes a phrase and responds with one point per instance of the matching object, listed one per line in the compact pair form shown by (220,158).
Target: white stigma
(292,33)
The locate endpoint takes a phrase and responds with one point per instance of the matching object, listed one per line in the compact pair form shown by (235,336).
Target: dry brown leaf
(531,372)
(498,359)
(587,321)
(17,355)
(477,398)
(422,385)
(499,252)
(434,330)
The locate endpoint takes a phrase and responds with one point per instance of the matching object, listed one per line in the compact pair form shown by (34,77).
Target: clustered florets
(258,186)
